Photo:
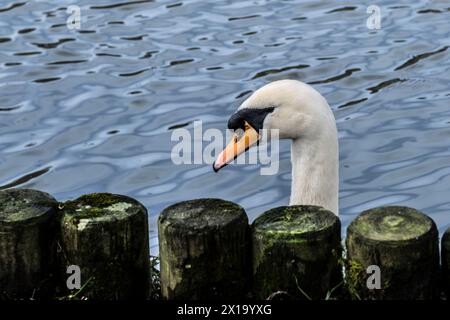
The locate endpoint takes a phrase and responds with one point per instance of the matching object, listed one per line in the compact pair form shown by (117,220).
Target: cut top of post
(393,223)
(24,206)
(296,221)
(101,207)
(195,215)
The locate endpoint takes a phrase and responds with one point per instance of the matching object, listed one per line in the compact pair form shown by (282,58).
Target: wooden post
(403,243)
(296,250)
(106,236)
(203,250)
(26,235)
(445,247)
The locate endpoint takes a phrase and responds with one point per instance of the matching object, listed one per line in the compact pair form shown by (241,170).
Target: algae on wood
(26,244)
(403,243)
(296,250)
(204,250)
(106,235)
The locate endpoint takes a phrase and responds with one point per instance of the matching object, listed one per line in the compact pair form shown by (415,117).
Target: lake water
(93,109)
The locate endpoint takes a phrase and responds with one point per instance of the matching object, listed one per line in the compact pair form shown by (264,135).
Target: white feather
(303,115)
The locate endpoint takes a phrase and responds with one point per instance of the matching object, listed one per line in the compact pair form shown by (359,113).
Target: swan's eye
(253,116)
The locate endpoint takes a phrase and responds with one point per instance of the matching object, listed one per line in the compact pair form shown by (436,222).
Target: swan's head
(291,107)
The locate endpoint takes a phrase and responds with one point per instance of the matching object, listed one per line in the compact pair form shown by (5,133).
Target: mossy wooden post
(445,247)
(106,235)
(26,237)
(296,249)
(403,243)
(204,250)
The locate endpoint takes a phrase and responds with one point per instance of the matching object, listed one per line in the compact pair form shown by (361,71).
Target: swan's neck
(315,172)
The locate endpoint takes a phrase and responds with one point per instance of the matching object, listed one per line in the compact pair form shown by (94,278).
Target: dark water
(90,110)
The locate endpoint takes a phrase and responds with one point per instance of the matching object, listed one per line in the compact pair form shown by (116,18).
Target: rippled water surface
(93,109)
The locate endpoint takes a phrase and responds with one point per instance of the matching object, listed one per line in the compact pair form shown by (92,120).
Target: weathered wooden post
(296,249)
(445,256)
(26,238)
(204,250)
(106,236)
(403,243)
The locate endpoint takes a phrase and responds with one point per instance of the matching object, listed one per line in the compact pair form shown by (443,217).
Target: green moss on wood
(107,236)
(294,221)
(355,278)
(98,200)
(26,243)
(98,205)
(198,214)
(204,250)
(296,249)
(403,243)
(25,205)
(394,224)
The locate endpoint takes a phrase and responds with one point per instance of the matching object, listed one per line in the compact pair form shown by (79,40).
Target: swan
(299,113)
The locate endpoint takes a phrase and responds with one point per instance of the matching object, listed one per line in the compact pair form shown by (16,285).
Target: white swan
(301,114)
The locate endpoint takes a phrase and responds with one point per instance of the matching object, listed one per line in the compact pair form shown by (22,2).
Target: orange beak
(238,144)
